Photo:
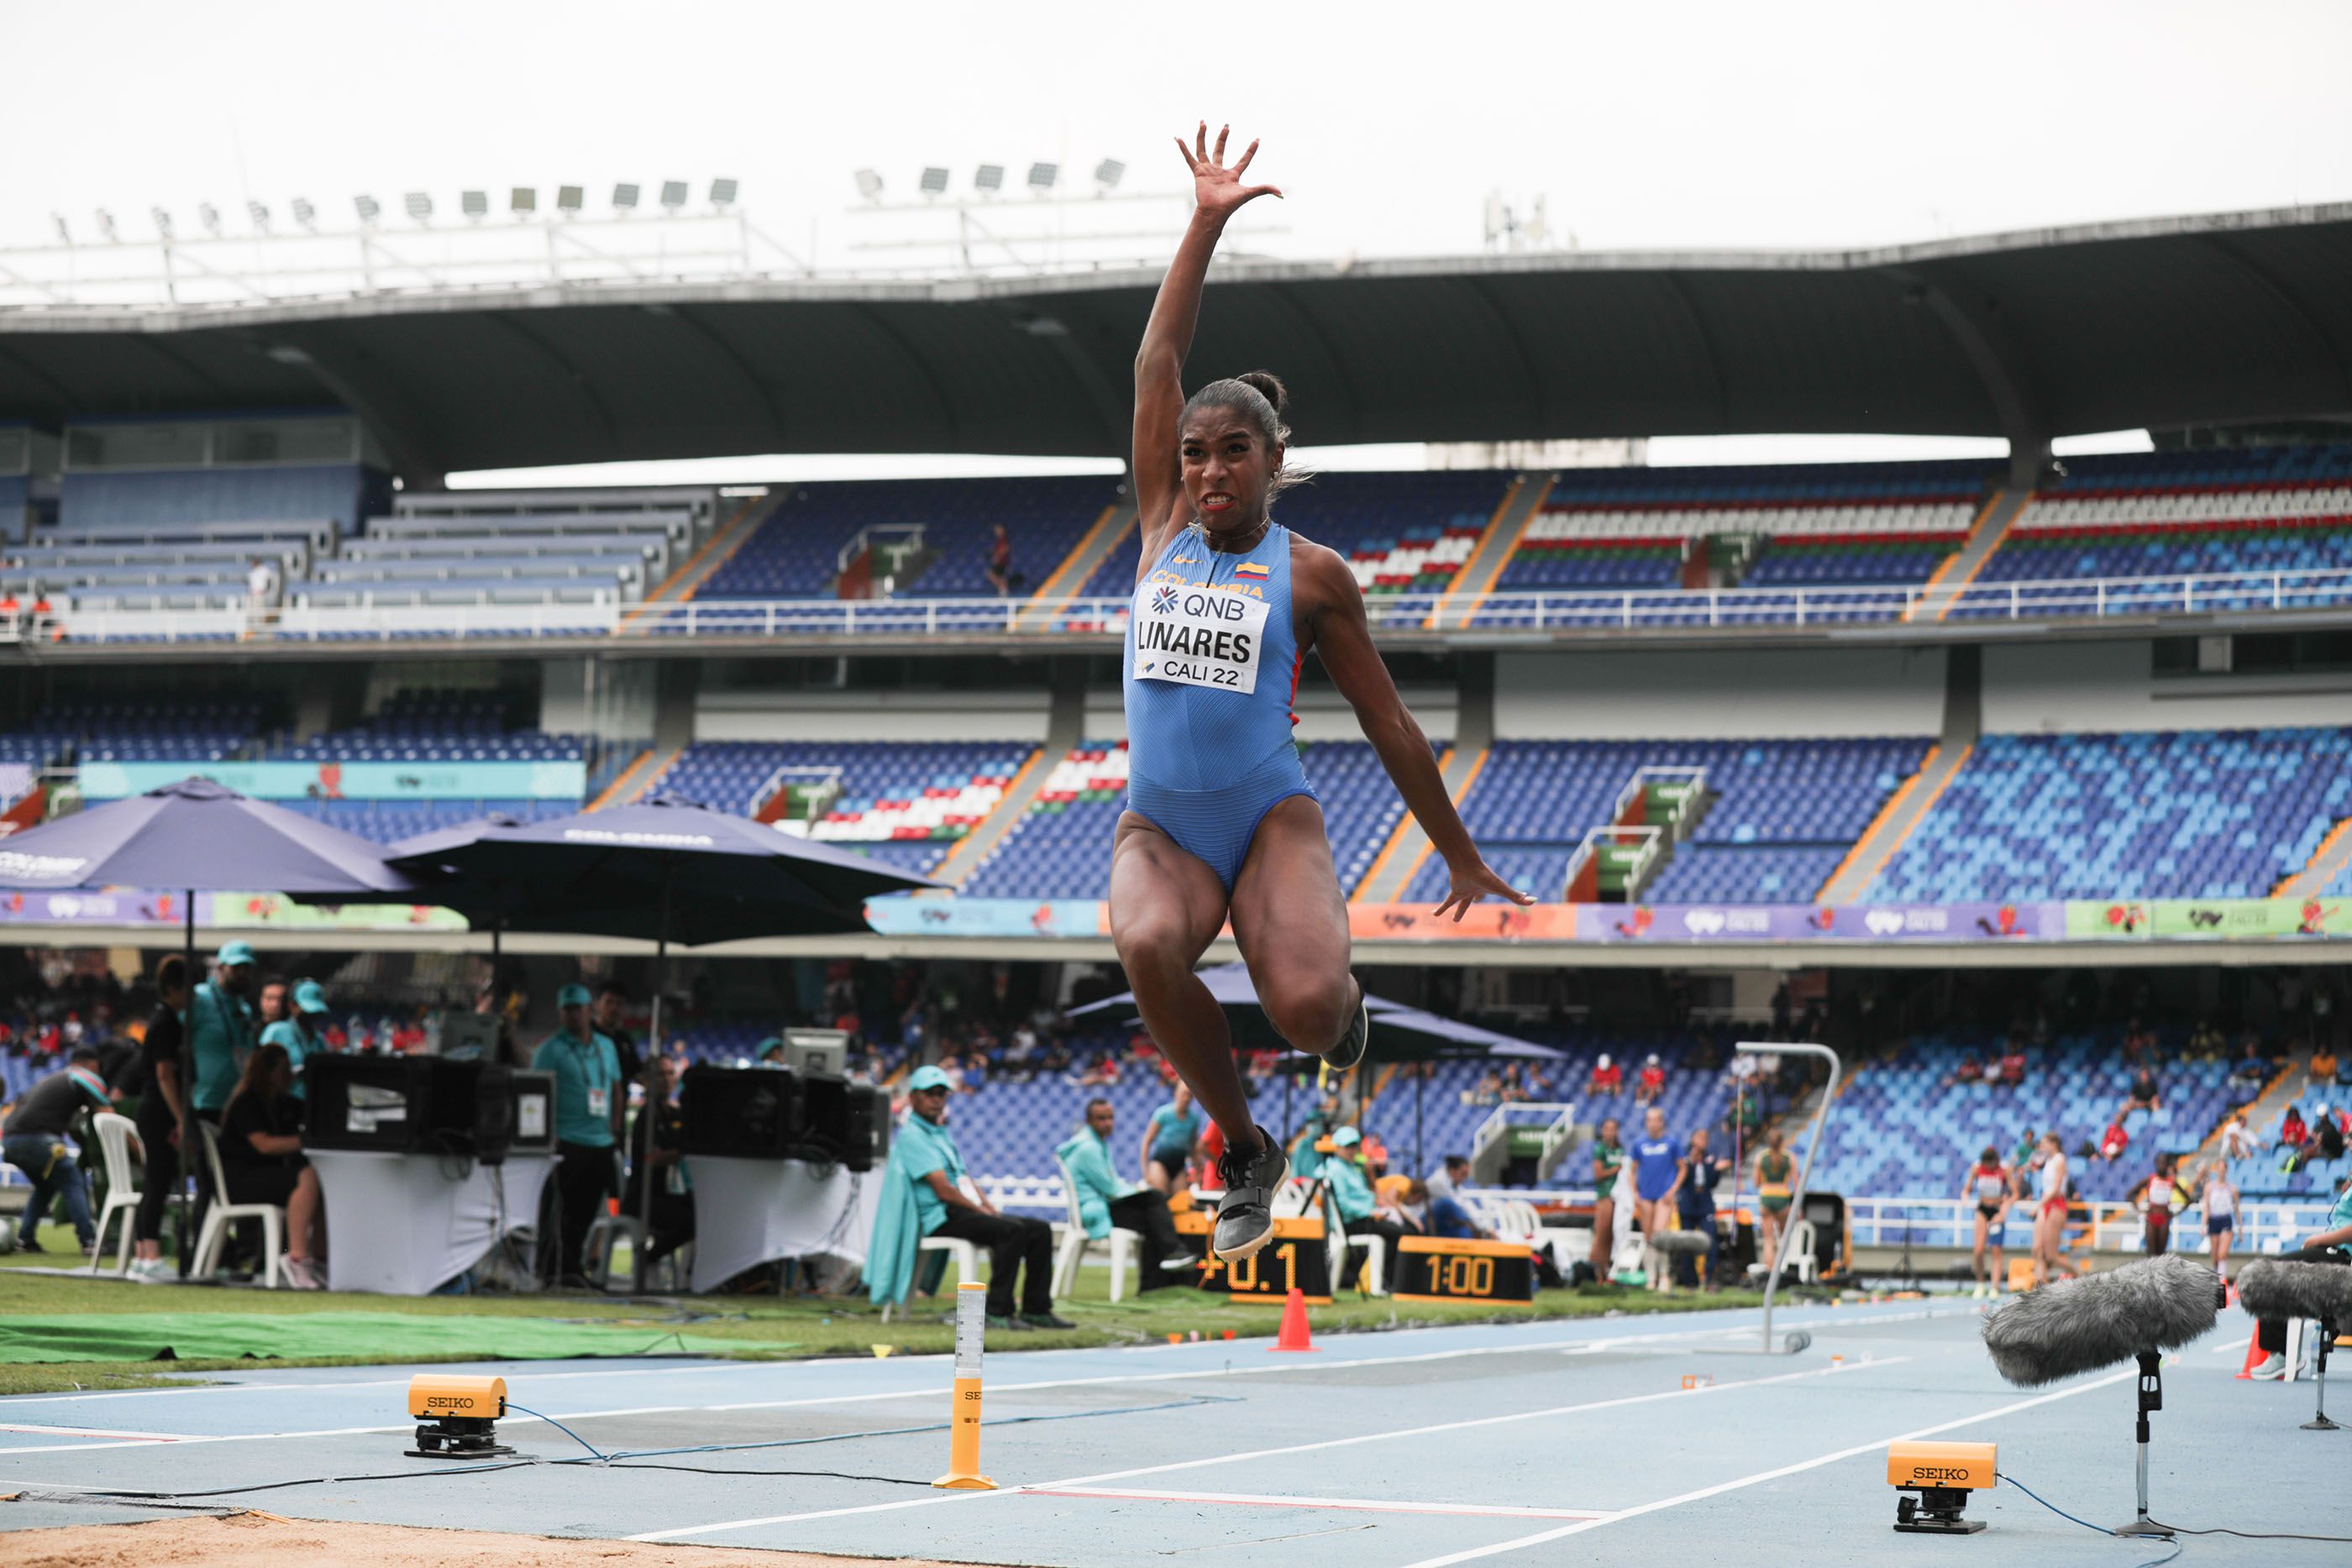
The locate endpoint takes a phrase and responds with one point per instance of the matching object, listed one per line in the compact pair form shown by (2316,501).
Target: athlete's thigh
(1287,908)
(1161,894)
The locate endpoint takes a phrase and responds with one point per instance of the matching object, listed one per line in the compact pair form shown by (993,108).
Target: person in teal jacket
(221,1028)
(1351,1195)
(1105,1201)
(589,1096)
(922,1196)
(304,1034)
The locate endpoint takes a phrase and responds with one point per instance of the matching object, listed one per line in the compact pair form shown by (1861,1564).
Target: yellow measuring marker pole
(963,1432)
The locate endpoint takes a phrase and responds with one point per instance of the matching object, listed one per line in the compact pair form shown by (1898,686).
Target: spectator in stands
(1168,1141)
(262,1161)
(1000,562)
(33,1139)
(1447,1216)
(2012,1064)
(1968,1071)
(588,1107)
(1651,1085)
(2323,1065)
(2270,1334)
(1020,1056)
(2114,1141)
(1657,1172)
(2251,1066)
(926,1166)
(303,1032)
(2236,1140)
(1608,1166)
(2143,1094)
(162,1109)
(2292,1131)
(1695,1201)
(611,1009)
(1607,1081)
(1105,1201)
(2326,1136)
(1351,1195)
(657,1144)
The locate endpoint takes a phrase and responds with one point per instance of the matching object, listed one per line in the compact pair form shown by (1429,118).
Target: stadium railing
(459,614)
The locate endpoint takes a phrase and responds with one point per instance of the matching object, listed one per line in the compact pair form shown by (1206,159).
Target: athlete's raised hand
(1217,190)
(1472,882)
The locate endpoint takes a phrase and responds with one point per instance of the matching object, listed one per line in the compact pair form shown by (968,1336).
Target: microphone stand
(2151,1399)
(1798,1339)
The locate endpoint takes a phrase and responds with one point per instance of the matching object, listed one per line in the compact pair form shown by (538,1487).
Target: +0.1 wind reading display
(1296,1259)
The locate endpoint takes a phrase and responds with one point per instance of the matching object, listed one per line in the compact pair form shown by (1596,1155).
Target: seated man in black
(1105,1201)
(669,1225)
(262,1161)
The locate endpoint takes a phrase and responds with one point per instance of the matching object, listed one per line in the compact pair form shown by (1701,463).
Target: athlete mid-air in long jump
(1221,822)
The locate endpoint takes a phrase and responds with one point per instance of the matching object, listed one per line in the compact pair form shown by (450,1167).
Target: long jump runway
(1620,1440)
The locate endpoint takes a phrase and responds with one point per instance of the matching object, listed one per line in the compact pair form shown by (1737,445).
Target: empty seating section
(162,502)
(1400,532)
(441,726)
(906,803)
(1906,1129)
(2188,814)
(194,730)
(1780,810)
(387,822)
(485,555)
(2263,511)
(1061,846)
(1615,530)
(798,552)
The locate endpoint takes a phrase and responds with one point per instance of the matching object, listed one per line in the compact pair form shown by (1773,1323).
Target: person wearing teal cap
(1351,1195)
(1105,1201)
(221,1028)
(920,1197)
(590,1093)
(303,1032)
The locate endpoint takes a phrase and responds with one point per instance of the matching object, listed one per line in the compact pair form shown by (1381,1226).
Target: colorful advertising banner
(915,915)
(2224,919)
(348,781)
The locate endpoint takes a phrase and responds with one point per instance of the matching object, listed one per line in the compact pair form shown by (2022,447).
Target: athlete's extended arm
(1217,193)
(1343,636)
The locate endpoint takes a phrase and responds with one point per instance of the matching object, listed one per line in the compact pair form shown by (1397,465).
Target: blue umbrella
(198,836)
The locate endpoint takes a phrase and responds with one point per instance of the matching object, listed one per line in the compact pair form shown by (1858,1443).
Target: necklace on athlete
(1256,537)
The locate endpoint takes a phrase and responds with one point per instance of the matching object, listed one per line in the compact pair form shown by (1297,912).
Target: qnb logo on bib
(1198,637)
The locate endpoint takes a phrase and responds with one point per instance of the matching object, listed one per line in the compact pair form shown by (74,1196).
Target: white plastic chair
(114,1135)
(596,1251)
(1799,1250)
(223,1214)
(1373,1280)
(1073,1244)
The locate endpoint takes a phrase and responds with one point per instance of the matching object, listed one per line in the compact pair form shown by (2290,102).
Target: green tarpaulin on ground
(378,1336)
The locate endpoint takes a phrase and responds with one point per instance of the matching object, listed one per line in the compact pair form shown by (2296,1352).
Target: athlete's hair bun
(1267,385)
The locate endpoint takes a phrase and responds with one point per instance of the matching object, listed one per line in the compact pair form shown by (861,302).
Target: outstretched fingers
(1186,153)
(1243,163)
(1200,141)
(1223,131)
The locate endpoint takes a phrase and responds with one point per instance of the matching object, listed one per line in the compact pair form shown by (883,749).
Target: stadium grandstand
(2022,784)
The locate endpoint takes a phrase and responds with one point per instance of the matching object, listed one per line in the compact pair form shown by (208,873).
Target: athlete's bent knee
(1310,1014)
(1152,948)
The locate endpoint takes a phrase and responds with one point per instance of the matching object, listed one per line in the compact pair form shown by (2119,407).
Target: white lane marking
(91,1432)
(935,1391)
(1351,1504)
(1761,1476)
(1567,1347)
(1322,1445)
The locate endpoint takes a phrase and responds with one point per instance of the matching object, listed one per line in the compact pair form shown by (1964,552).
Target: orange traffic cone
(1293,1335)
(2254,1357)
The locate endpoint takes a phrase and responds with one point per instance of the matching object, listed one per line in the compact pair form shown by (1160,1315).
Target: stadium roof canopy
(2211,319)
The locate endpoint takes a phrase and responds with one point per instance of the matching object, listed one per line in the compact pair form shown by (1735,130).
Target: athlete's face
(1228,469)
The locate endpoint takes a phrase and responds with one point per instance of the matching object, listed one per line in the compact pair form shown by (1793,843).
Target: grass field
(766,1328)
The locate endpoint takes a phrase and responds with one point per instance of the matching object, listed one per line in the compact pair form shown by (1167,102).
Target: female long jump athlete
(1221,820)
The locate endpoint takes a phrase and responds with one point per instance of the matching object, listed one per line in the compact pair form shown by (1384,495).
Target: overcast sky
(1642,125)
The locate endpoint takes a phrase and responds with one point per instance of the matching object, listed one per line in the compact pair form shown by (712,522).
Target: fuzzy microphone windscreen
(2273,1288)
(1679,1243)
(2082,1326)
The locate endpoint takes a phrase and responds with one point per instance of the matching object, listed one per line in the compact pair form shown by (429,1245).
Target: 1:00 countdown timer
(1433,1269)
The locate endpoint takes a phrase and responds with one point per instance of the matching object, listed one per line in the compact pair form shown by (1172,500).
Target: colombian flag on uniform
(1249,569)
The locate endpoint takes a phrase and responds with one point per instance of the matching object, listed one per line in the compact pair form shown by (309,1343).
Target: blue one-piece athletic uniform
(1211,670)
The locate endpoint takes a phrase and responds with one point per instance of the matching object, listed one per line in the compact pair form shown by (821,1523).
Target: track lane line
(1324,1445)
(1344,1504)
(1542,1537)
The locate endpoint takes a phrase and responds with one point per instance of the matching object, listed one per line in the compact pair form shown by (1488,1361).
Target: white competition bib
(1199,636)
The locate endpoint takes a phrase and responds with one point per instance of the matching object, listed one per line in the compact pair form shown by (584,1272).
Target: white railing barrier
(1560,610)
